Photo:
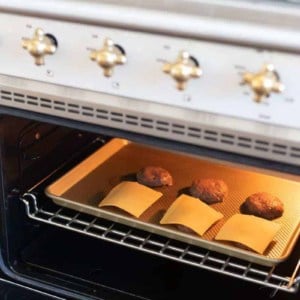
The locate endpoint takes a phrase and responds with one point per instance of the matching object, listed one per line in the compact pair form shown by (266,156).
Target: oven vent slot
(116,117)
(194,132)
(261,145)
(244,142)
(87,111)
(102,114)
(131,120)
(158,245)
(211,135)
(295,152)
(6,95)
(147,124)
(279,149)
(47,103)
(162,126)
(228,139)
(59,105)
(178,129)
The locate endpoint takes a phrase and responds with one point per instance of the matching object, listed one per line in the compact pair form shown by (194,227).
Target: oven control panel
(242,82)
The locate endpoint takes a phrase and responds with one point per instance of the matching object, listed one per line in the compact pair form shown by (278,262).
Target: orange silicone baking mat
(83,187)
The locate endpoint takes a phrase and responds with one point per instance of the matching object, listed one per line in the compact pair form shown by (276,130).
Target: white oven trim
(154,119)
(268,25)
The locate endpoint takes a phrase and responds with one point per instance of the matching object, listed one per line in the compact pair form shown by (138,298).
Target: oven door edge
(10,290)
(19,283)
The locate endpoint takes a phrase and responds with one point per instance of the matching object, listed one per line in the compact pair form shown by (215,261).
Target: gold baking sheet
(83,187)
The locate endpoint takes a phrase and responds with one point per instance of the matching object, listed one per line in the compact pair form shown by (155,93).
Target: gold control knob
(39,46)
(108,57)
(264,82)
(183,69)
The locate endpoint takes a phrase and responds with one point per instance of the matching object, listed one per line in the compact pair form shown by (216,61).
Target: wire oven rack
(160,246)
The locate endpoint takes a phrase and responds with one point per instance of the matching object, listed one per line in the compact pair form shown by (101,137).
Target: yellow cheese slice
(132,197)
(253,232)
(192,213)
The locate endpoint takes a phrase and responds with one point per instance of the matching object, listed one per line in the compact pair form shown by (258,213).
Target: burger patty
(263,205)
(153,176)
(209,190)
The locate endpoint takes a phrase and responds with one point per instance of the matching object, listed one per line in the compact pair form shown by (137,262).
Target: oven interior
(47,245)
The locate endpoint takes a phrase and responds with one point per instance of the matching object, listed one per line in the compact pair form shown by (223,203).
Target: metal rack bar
(161,246)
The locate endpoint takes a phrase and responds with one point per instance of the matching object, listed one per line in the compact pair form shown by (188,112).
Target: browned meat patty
(263,205)
(209,190)
(153,176)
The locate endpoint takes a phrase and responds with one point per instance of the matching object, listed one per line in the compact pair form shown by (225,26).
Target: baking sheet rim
(173,234)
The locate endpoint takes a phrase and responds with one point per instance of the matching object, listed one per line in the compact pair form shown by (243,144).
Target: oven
(215,81)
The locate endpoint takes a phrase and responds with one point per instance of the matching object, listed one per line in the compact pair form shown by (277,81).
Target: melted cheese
(253,232)
(192,213)
(132,197)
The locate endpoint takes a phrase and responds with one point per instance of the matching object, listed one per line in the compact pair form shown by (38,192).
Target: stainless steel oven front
(216,80)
